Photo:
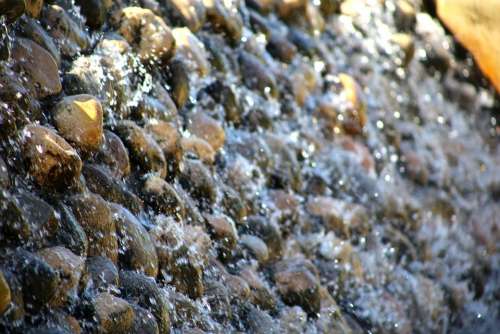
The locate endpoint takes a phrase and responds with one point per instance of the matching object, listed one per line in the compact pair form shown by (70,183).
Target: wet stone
(31,29)
(40,282)
(260,322)
(70,268)
(100,181)
(280,48)
(114,154)
(147,32)
(169,139)
(162,196)
(260,293)
(31,221)
(143,149)
(268,231)
(198,181)
(94,215)
(114,315)
(144,322)
(39,66)
(94,11)
(143,291)
(70,233)
(341,217)
(79,120)
(52,161)
(136,249)
(68,34)
(218,298)
(102,271)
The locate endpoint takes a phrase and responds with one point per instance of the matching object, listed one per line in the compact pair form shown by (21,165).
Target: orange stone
(476,24)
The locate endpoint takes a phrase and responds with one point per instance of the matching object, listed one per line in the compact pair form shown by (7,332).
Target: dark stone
(94,12)
(103,272)
(100,181)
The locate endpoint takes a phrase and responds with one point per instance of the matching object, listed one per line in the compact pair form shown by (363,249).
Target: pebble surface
(260,166)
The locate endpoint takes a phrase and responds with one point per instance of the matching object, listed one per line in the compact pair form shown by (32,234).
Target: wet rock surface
(253,166)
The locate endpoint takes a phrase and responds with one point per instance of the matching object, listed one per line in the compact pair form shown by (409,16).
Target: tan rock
(147,32)
(79,120)
(207,128)
(169,139)
(200,148)
(52,161)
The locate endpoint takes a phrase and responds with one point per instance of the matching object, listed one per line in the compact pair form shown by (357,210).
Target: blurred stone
(178,80)
(147,32)
(33,7)
(256,246)
(200,148)
(207,128)
(79,120)
(256,76)
(475,26)
(144,322)
(298,283)
(224,231)
(12,9)
(188,46)
(224,16)
(190,13)
(260,322)
(405,42)
(341,217)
